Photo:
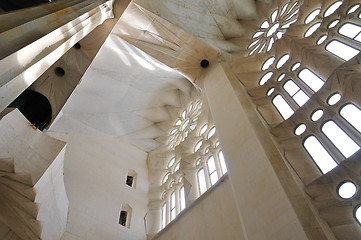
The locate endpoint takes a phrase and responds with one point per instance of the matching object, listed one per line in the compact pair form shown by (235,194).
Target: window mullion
(328,145)
(348,129)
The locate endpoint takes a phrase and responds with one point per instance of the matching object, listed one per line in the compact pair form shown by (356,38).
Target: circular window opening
(59,71)
(357,213)
(295,66)
(301,128)
(334,98)
(77,46)
(204,63)
(282,76)
(270,91)
(198,146)
(312,16)
(353,9)
(312,29)
(316,115)
(346,189)
(333,23)
(321,39)
(203,129)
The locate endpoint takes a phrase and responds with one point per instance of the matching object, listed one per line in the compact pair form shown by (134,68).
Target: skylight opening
(274,15)
(265,78)
(265,24)
(295,66)
(311,79)
(301,128)
(346,189)
(353,9)
(270,91)
(176,168)
(316,115)
(331,9)
(312,16)
(319,154)
(282,106)
(333,23)
(321,39)
(312,29)
(282,61)
(352,115)
(280,77)
(341,50)
(334,98)
(165,178)
(268,63)
(339,138)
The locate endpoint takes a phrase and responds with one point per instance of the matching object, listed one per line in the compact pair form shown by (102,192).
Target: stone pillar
(270,203)
(33,39)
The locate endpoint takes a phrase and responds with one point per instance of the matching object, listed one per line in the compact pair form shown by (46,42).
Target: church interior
(180,120)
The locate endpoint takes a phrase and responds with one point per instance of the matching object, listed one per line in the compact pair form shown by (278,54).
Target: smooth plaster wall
(95,171)
(213,216)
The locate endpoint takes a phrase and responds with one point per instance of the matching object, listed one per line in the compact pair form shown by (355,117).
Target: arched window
(352,115)
(222,162)
(319,154)
(282,106)
(296,93)
(173,209)
(182,198)
(212,170)
(164,215)
(339,138)
(202,186)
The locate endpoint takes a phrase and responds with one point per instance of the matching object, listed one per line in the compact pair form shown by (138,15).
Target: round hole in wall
(346,189)
(333,23)
(295,66)
(59,71)
(334,98)
(317,114)
(270,91)
(77,46)
(321,39)
(204,63)
(300,129)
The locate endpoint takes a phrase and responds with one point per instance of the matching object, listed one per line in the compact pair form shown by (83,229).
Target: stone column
(33,39)
(270,203)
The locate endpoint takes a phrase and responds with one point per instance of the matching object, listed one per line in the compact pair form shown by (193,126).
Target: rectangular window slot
(123,218)
(131,178)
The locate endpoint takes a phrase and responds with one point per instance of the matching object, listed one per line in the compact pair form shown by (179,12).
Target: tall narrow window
(182,199)
(319,154)
(341,50)
(296,93)
(282,106)
(352,114)
(212,170)
(172,206)
(164,215)
(123,218)
(222,162)
(339,138)
(202,182)
(311,79)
